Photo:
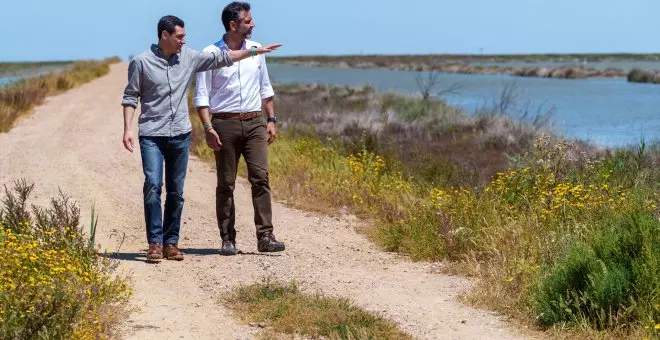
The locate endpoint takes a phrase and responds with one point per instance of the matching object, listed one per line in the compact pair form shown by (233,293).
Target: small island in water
(640,68)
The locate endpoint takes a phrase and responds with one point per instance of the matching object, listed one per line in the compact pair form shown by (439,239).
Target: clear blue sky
(78,29)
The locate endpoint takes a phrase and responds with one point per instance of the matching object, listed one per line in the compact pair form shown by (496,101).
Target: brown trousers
(248,138)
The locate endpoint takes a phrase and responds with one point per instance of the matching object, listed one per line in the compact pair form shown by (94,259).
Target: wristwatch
(272,119)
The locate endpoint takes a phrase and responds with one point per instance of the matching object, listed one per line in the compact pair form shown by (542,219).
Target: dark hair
(232,12)
(168,23)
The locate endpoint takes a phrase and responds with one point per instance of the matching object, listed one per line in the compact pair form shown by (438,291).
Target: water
(609,112)
(9,80)
(4,81)
(11,76)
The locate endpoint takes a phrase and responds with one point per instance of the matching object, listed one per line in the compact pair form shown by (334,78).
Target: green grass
(411,108)
(283,308)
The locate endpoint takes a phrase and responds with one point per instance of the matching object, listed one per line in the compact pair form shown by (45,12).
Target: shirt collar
(155,49)
(221,44)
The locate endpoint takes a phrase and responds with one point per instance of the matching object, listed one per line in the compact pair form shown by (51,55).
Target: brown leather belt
(234,115)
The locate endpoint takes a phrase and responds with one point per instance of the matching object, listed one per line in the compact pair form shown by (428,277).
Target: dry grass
(19,98)
(284,309)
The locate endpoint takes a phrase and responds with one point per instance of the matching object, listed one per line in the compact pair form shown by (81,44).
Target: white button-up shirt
(237,88)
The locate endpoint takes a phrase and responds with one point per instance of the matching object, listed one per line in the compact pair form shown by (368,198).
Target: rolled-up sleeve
(132,90)
(266,88)
(202,86)
(205,61)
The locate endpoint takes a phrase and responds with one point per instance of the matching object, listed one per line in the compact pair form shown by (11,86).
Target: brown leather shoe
(172,252)
(155,251)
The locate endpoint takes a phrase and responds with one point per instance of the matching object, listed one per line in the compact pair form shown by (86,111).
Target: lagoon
(606,111)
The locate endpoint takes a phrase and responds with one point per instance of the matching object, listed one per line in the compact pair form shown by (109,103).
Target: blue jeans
(174,152)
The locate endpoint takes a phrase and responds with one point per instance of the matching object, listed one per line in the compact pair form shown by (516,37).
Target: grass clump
(411,108)
(54,285)
(285,309)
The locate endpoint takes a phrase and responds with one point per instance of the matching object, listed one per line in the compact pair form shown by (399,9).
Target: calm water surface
(10,76)
(611,112)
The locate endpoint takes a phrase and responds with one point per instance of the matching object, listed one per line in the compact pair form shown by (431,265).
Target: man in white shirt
(229,102)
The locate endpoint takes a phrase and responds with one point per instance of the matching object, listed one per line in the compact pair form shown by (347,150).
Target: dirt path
(74,142)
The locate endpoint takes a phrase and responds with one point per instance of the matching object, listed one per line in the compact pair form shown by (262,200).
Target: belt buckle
(241,115)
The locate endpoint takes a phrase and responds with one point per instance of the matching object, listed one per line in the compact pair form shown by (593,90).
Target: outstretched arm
(211,60)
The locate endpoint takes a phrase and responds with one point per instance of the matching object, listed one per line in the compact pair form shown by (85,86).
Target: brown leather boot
(155,251)
(172,252)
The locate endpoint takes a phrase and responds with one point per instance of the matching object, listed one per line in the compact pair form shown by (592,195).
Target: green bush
(641,76)
(609,279)
(54,284)
(411,108)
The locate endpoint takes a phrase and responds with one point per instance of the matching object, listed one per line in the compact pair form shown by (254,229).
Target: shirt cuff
(201,101)
(129,103)
(267,93)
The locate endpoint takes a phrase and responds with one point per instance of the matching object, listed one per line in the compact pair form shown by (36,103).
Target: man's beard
(247,35)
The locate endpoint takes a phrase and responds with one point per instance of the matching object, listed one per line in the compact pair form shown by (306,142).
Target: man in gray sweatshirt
(159,79)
